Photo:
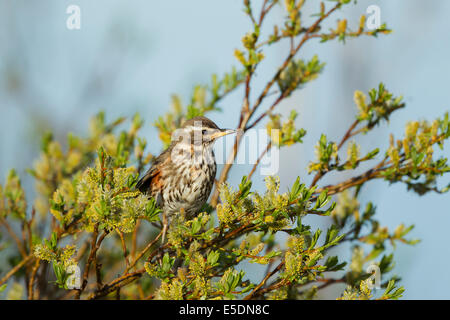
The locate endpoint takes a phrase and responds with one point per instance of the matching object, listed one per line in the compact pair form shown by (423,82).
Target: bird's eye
(204,132)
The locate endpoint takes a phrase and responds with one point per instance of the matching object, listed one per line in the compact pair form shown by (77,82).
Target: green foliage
(287,134)
(381,105)
(12,198)
(111,201)
(365,292)
(61,275)
(299,73)
(412,157)
(327,155)
(204,98)
(87,211)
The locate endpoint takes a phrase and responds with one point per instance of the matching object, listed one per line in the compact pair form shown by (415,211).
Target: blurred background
(130,56)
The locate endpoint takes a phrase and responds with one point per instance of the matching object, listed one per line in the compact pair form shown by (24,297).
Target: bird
(181,178)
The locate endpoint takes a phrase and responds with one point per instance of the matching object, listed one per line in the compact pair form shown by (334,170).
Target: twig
(286,62)
(14,236)
(366,176)
(269,111)
(88,263)
(346,136)
(246,117)
(124,247)
(16,268)
(134,239)
(33,277)
(92,256)
(139,256)
(327,282)
(268,147)
(98,274)
(264,11)
(117,283)
(263,281)
(126,278)
(82,250)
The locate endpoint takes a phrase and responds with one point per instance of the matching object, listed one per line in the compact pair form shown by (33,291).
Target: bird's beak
(223,132)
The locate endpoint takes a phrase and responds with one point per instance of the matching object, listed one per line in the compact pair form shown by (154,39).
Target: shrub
(87,212)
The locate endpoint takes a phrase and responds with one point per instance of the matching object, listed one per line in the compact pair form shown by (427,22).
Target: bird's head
(200,131)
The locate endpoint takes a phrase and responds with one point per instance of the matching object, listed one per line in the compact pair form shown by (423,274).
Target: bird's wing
(152,178)
(144,183)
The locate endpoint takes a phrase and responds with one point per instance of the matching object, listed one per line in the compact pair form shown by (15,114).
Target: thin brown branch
(346,136)
(124,247)
(126,278)
(264,11)
(246,117)
(32,278)
(13,235)
(82,250)
(269,111)
(268,147)
(92,256)
(288,59)
(139,256)
(326,283)
(256,290)
(272,287)
(355,181)
(117,283)
(134,239)
(98,274)
(16,268)
(89,262)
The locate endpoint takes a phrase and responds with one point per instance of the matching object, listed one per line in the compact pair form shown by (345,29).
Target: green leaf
(152,211)
(315,238)
(212,258)
(244,187)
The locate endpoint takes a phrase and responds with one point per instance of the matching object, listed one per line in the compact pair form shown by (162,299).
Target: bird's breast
(190,184)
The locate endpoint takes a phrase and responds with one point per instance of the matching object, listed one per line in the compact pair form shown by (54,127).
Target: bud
(342,26)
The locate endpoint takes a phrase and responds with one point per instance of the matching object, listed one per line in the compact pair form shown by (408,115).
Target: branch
(355,181)
(16,268)
(33,277)
(326,283)
(134,239)
(139,256)
(246,117)
(347,136)
(116,284)
(14,237)
(92,256)
(124,247)
(256,291)
(268,147)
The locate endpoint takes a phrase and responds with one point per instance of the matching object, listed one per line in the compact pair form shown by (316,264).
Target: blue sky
(132,55)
